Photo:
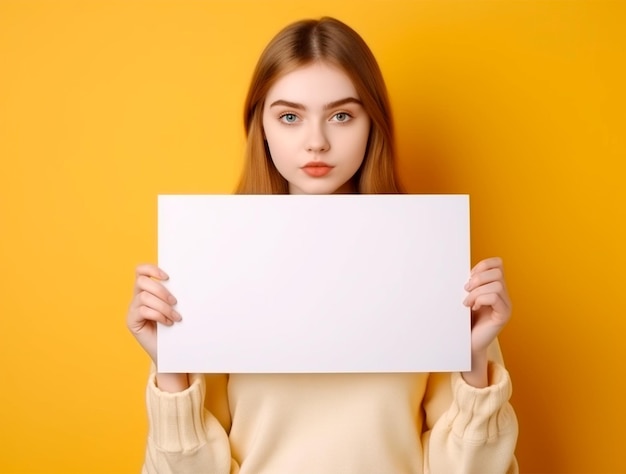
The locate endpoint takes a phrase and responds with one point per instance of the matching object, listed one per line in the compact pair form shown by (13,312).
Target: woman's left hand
(489,300)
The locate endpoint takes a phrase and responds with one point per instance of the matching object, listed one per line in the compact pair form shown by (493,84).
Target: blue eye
(342,117)
(288,118)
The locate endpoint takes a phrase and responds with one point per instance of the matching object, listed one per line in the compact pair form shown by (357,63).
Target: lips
(317,169)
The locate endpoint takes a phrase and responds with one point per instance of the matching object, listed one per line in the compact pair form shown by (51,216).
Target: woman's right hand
(152,303)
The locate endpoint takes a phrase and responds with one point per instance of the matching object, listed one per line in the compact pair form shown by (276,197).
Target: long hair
(298,45)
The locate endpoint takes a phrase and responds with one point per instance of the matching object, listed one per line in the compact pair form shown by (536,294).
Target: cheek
(275,143)
(281,149)
(358,144)
(272,138)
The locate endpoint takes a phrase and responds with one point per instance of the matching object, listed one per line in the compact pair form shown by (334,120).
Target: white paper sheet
(342,283)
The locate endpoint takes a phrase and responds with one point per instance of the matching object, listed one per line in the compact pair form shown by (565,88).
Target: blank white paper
(312,284)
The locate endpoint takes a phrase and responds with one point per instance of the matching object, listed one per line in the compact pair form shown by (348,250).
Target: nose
(317,141)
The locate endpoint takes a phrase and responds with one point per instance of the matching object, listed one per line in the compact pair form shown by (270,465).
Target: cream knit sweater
(333,424)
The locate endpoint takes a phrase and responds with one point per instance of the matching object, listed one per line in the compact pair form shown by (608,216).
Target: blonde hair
(295,46)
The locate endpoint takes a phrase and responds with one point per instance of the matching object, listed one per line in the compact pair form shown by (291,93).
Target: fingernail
(171,299)
(164,276)
(177,316)
(467,285)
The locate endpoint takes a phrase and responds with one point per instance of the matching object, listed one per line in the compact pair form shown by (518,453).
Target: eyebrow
(330,105)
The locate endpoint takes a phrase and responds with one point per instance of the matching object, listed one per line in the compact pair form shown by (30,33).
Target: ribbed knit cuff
(479,415)
(176,419)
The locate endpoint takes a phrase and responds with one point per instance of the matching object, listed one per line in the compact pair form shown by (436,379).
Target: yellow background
(105,104)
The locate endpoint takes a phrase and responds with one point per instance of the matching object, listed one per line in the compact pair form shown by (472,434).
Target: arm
(469,429)
(184,436)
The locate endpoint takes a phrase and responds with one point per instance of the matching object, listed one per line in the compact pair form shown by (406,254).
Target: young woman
(318,121)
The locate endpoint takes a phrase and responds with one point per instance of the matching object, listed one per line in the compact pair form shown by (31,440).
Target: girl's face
(316,129)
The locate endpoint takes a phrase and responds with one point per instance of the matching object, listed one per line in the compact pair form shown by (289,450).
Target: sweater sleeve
(469,429)
(185,437)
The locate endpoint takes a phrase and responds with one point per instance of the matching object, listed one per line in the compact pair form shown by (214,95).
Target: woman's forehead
(313,85)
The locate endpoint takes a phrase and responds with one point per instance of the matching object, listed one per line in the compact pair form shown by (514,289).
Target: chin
(320,188)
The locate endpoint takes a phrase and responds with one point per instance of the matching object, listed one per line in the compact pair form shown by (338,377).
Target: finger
(148,300)
(495,287)
(141,319)
(151,270)
(500,309)
(487,264)
(150,314)
(482,278)
(145,283)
